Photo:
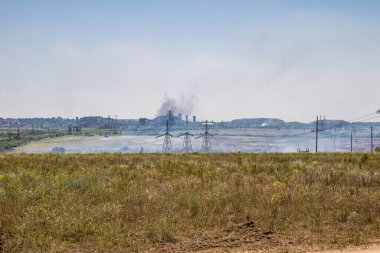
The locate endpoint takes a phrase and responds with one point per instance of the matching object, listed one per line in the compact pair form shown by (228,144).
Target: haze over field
(231,59)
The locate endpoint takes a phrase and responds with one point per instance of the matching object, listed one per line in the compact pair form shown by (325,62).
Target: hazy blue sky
(219,59)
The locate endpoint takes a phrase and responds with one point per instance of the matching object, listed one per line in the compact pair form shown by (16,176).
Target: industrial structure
(206,143)
(167,144)
(186,147)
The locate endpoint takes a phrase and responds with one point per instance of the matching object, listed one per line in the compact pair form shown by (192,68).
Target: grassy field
(187,202)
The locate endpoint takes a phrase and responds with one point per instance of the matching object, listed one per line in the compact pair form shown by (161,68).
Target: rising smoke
(185,104)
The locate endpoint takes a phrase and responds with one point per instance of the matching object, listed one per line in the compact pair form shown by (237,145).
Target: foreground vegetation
(187,202)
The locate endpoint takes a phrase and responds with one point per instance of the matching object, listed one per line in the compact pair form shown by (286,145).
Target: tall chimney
(194,119)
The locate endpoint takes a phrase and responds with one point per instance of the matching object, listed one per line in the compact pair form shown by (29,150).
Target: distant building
(74,129)
(194,119)
(171,119)
(180,116)
(143,121)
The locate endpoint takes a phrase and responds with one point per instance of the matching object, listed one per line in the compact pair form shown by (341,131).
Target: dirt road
(363,249)
(367,249)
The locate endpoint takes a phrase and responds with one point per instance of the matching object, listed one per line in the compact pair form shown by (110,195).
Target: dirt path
(366,249)
(362,249)
(262,248)
(247,238)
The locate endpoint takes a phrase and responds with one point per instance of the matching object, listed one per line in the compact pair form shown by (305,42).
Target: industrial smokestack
(194,119)
(171,118)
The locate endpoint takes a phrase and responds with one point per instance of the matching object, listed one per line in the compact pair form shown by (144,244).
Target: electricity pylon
(186,146)
(167,144)
(206,143)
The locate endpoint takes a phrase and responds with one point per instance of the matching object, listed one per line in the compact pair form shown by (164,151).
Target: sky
(216,59)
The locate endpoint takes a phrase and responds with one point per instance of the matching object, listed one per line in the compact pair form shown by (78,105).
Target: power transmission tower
(167,144)
(186,146)
(371,139)
(206,143)
(316,137)
(18,135)
(351,142)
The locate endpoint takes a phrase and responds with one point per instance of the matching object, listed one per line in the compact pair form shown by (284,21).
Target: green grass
(134,202)
(9,141)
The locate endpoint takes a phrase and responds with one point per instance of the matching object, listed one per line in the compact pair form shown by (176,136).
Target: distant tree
(377,149)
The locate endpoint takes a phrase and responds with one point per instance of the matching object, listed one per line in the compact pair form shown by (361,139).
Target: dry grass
(153,202)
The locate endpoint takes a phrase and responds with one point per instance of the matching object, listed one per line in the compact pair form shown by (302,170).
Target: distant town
(176,122)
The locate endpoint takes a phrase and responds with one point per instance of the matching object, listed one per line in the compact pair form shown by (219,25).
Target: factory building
(143,122)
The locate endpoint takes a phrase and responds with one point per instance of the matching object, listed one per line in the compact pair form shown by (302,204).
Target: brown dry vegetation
(187,202)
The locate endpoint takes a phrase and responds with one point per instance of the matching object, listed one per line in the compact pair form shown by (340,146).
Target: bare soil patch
(246,237)
(370,248)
